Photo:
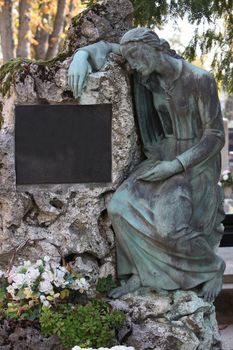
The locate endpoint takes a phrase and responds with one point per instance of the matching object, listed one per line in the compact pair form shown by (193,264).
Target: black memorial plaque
(63,144)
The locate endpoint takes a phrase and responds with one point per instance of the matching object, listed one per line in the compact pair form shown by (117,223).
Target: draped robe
(167,231)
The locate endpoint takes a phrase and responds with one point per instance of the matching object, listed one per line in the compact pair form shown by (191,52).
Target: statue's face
(142,57)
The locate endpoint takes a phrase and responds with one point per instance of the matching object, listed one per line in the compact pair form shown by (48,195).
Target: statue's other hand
(78,72)
(162,171)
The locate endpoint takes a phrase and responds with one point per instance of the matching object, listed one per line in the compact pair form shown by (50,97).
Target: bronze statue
(167,215)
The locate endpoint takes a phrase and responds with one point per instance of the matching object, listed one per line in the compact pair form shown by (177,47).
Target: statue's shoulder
(197,72)
(200,78)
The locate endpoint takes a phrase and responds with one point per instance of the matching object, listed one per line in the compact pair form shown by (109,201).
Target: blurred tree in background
(35,28)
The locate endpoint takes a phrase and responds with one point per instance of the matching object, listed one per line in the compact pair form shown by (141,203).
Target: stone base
(168,321)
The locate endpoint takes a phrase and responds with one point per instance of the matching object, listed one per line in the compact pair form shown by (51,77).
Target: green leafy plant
(105,284)
(93,325)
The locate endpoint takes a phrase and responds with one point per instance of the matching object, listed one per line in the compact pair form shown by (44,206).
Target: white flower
(27,263)
(19,280)
(47,275)
(46,303)
(59,280)
(46,258)
(45,287)
(42,298)
(62,268)
(39,262)
(225,177)
(81,284)
(10,289)
(32,274)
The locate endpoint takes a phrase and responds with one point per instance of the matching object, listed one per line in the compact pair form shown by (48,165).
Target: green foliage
(20,311)
(21,67)
(3,286)
(149,13)
(105,284)
(213,38)
(153,13)
(9,71)
(1,116)
(92,325)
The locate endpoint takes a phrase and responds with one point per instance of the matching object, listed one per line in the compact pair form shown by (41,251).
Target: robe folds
(167,231)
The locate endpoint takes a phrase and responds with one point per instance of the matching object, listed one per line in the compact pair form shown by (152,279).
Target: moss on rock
(20,68)
(9,71)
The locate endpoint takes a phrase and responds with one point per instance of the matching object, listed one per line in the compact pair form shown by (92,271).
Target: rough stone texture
(71,216)
(26,337)
(106,20)
(172,320)
(88,267)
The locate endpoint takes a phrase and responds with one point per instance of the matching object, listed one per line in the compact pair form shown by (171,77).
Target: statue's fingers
(80,84)
(89,68)
(75,84)
(145,175)
(150,178)
(85,81)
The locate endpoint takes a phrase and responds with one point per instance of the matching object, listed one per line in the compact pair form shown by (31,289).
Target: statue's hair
(149,37)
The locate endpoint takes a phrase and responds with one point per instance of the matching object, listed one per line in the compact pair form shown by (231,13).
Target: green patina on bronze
(167,215)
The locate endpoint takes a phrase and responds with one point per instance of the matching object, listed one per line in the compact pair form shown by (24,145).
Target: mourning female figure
(167,215)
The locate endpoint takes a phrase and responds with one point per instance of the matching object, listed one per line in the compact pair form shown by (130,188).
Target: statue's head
(144,50)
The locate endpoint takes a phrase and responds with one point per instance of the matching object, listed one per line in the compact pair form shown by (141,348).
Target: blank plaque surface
(63,143)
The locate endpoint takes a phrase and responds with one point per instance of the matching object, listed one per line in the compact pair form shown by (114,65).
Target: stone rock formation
(163,321)
(107,20)
(74,216)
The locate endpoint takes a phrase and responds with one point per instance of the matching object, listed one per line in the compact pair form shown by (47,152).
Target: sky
(182,28)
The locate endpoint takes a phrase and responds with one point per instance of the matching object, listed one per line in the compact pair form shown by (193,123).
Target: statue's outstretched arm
(87,59)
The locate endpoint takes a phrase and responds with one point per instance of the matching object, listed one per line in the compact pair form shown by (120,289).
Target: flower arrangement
(226,178)
(29,286)
(55,299)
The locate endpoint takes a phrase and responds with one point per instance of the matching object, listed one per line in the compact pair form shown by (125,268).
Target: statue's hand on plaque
(78,72)
(162,170)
